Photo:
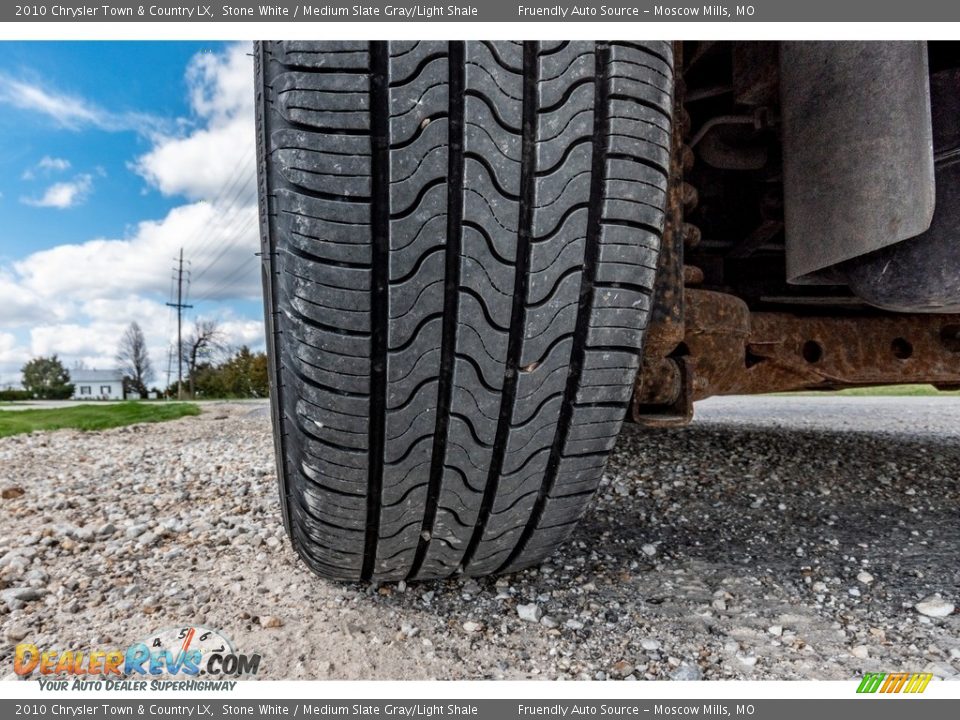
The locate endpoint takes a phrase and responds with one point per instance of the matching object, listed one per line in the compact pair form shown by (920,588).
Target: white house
(97,384)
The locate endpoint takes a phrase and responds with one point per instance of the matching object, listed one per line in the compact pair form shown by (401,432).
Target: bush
(244,375)
(47,379)
(15,395)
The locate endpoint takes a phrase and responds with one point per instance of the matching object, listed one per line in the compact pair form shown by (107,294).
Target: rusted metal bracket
(728,350)
(791,352)
(666,399)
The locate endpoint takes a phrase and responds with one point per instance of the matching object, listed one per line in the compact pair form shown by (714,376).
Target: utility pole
(169,365)
(179,305)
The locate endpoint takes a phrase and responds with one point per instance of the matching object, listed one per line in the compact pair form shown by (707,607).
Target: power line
(236,175)
(218,285)
(220,218)
(236,186)
(230,228)
(189,276)
(228,279)
(225,221)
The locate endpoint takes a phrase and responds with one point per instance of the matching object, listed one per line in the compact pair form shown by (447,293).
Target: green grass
(899,390)
(91,417)
(885,391)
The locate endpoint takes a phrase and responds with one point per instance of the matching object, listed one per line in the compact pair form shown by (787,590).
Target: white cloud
(70,339)
(10,352)
(94,343)
(216,160)
(243,332)
(104,268)
(21,306)
(63,195)
(52,163)
(72,111)
(46,165)
(221,84)
(208,164)
(124,310)
(67,110)
(76,299)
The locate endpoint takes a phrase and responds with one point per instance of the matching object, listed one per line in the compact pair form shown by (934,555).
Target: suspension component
(665,401)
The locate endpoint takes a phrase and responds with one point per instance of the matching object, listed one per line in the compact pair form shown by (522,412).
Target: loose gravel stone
(726,503)
(16,633)
(22,594)
(530,612)
(687,672)
(135,531)
(934,606)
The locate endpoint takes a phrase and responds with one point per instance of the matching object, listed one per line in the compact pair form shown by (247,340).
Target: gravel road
(799,537)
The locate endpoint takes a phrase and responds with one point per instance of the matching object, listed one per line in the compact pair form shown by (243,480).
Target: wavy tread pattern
(462,241)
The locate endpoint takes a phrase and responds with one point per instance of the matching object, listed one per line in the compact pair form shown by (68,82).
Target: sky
(113,157)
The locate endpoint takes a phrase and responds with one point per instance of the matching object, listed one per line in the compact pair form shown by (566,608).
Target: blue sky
(112,156)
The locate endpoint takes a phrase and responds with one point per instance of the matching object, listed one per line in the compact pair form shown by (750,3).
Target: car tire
(459,246)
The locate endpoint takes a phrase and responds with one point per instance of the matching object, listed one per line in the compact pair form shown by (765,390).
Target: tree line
(212,369)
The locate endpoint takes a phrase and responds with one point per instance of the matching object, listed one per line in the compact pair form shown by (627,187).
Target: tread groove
(520,289)
(601,129)
(379,299)
(455,169)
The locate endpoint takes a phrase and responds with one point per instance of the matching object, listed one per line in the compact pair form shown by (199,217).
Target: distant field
(91,417)
(886,391)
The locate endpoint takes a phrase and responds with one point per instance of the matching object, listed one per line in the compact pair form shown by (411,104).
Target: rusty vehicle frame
(704,339)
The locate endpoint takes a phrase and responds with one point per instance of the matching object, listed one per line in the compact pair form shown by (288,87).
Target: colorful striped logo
(894,682)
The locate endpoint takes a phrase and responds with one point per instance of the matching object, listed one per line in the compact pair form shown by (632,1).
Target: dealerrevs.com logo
(910,683)
(172,659)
